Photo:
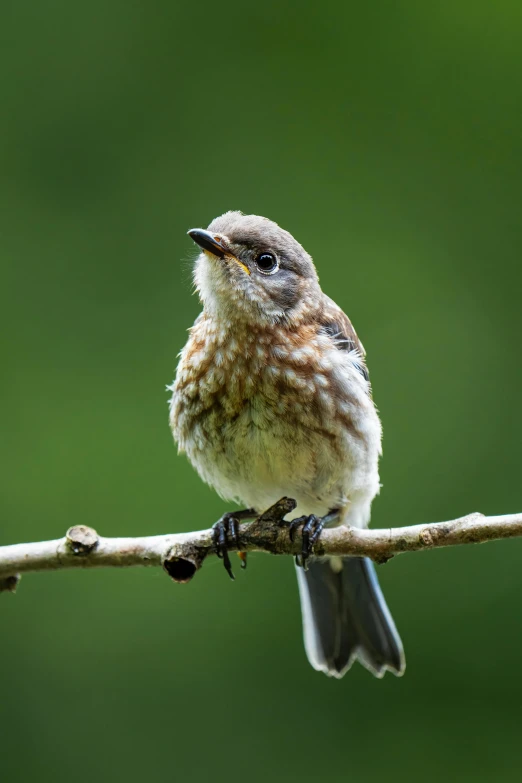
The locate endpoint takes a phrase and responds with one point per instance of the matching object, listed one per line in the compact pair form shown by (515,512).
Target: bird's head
(250,269)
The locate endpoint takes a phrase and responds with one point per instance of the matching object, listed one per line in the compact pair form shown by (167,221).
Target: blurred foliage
(387,138)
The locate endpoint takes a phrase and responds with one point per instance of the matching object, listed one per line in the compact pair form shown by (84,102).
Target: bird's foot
(225,529)
(312,529)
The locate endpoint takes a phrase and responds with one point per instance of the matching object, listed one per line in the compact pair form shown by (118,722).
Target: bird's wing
(338,326)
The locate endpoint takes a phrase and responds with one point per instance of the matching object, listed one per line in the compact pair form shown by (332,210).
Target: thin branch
(182,554)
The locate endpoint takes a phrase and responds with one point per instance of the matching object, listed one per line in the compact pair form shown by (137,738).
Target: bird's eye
(267,263)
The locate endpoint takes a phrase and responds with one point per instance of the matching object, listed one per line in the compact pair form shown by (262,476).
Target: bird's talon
(228,566)
(221,530)
(233,527)
(294,524)
(312,529)
(228,527)
(317,532)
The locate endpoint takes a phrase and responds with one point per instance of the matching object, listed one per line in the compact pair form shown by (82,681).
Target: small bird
(272,398)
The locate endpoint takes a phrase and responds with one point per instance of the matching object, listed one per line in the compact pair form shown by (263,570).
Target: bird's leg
(312,529)
(227,526)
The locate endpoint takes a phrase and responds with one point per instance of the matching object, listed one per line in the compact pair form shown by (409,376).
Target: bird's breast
(269,407)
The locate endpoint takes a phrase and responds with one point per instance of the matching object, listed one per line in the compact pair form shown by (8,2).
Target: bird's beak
(215,244)
(212,243)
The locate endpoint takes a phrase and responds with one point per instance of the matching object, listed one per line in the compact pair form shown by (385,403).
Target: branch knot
(81,540)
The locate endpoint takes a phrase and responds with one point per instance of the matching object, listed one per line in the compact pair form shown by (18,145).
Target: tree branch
(182,554)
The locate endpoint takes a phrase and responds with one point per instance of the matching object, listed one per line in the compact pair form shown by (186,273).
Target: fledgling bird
(272,398)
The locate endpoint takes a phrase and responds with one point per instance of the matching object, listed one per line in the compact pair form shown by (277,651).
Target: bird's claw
(227,526)
(294,524)
(312,529)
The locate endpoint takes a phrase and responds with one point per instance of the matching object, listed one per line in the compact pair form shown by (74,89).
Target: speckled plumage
(271,396)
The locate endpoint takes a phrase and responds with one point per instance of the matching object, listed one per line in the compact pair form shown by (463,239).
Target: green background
(385,136)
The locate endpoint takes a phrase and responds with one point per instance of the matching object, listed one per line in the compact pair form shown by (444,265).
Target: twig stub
(81,539)
(9,583)
(181,564)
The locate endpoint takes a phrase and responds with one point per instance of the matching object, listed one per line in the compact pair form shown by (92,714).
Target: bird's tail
(346,617)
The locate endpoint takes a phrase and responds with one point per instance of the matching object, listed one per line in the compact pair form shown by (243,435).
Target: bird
(272,399)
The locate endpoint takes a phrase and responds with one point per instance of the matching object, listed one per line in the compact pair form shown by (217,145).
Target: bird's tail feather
(346,617)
